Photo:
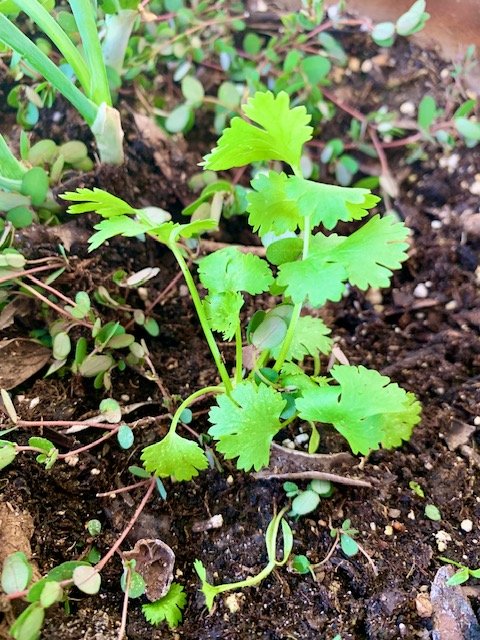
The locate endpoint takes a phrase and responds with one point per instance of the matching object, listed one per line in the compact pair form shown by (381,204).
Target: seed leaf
(16,572)
(231,270)
(174,456)
(245,424)
(168,608)
(280,136)
(366,408)
(87,579)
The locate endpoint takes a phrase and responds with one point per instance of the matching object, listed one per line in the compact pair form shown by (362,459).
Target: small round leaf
(87,579)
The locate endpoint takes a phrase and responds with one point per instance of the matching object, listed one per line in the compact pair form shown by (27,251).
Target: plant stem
(190,400)
(85,18)
(202,317)
(60,39)
(238,354)
(118,30)
(18,41)
(297,309)
(99,566)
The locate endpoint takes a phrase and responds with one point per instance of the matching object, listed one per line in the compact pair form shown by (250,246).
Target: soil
(428,343)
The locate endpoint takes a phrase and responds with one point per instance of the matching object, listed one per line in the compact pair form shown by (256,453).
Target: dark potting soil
(423,333)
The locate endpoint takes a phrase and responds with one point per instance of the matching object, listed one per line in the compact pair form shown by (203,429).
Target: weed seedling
(463,573)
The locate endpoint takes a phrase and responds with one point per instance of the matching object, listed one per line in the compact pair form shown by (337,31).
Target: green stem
(297,309)
(190,400)
(238,354)
(202,317)
(18,41)
(87,26)
(60,39)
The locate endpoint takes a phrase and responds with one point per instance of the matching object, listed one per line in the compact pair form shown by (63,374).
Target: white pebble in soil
(420,291)
(466,525)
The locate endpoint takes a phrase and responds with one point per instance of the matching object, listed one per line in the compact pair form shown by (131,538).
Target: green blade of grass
(10,166)
(60,39)
(87,26)
(18,41)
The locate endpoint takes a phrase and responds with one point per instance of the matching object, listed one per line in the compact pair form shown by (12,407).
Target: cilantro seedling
(305,267)
(347,542)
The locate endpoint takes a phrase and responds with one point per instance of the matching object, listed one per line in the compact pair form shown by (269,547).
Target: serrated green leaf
(119,225)
(245,423)
(370,254)
(97,201)
(365,407)
(314,279)
(329,204)
(168,608)
(174,456)
(280,136)
(231,270)
(223,311)
(310,338)
(270,208)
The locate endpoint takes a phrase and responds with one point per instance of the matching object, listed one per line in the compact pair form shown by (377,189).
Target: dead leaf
(18,307)
(154,562)
(459,434)
(21,359)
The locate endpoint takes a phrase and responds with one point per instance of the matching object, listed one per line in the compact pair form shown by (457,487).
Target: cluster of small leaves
(307,500)
(17,575)
(407,24)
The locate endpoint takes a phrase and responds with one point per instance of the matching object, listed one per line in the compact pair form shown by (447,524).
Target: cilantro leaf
(328,204)
(366,408)
(370,254)
(366,258)
(168,608)
(311,337)
(98,201)
(231,270)
(314,279)
(246,422)
(116,226)
(269,206)
(223,311)
(174,456)
(280,136)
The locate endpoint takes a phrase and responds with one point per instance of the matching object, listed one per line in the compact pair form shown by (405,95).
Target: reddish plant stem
(64,423)
(51,304)
(355,113)
(26,272)
(47,287)
(380,152)
(130,487)
(99,566)
(92,445)
(164,292)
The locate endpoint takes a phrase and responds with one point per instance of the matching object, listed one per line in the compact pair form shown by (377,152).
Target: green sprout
(210,591)
(463,573)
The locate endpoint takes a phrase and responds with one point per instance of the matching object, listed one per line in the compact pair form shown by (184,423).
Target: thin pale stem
(190,400)
(129,526)
(202,317)
(238,354)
